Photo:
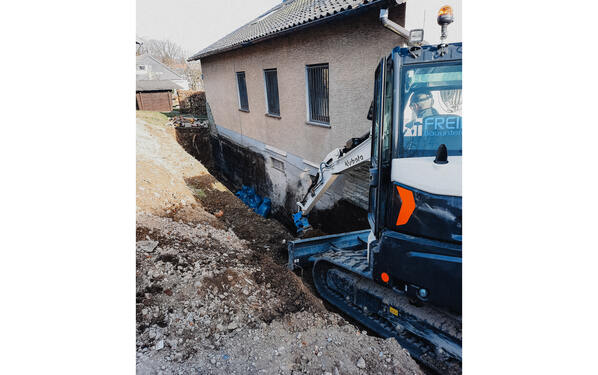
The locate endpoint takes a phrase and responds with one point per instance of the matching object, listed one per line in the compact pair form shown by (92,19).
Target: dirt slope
(209,302)
(162,166)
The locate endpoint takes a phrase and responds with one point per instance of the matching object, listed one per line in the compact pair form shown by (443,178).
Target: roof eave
(322,20)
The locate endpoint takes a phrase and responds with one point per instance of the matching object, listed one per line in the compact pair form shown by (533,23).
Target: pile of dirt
(162,166)
(264,236)
(188,122)
(207,303)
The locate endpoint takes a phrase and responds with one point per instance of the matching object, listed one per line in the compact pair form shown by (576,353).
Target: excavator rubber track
(432,337)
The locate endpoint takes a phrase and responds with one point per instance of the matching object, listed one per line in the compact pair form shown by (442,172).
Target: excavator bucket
(301,223)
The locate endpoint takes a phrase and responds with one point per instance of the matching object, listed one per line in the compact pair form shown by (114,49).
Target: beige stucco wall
(352,47)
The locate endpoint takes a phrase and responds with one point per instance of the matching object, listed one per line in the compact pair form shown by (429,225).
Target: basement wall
(283,177)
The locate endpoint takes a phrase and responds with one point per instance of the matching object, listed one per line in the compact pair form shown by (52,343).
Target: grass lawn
(153,117)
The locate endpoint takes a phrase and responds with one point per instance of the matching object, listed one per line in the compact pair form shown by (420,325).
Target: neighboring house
(155,83)
(297,82)
(155,95)
(149,68)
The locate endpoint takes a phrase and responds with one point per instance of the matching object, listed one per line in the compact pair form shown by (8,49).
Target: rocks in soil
(187,122)
(360,363)
(210,302)
(146,246)
(203,295)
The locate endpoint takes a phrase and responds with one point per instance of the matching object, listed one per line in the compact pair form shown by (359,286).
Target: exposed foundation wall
(282,179)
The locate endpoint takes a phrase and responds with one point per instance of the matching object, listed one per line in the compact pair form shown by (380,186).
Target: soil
(207,303)
(213,293)
(264,236)
(235,166)
(327,221)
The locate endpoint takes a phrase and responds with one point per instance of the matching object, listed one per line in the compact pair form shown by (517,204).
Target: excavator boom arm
(336,162)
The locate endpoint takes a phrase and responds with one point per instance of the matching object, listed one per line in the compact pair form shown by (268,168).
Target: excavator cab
(415,174)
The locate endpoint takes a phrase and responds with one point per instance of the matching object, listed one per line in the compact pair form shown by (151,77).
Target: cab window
(432,103)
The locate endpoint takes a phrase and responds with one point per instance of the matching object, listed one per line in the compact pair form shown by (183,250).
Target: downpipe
(393,26)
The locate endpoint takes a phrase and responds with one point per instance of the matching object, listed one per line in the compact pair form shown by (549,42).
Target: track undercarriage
(432,336)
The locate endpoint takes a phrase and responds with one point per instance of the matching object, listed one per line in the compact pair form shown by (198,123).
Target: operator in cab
(422,105)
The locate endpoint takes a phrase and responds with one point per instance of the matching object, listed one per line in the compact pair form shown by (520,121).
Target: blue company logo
(439,126)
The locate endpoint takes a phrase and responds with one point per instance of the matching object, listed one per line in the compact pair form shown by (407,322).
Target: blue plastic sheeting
(264,207)
(300,222)
(248,196)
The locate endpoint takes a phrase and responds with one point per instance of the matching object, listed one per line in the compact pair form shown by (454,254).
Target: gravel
(360,363)
(192,314)
(146,246)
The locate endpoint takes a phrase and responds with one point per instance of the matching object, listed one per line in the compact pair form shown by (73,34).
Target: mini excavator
(402,277)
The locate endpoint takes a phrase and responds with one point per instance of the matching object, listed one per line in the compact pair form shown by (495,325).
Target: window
(242,86)
(277,164)
(271,82)
(140,67)
(431,111)
(386,131)
(317,93)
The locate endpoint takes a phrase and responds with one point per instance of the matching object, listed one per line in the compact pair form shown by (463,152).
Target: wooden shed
(155,95)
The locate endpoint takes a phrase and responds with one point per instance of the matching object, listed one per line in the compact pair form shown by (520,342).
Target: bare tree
(166,51)
(194,76)
(172,55)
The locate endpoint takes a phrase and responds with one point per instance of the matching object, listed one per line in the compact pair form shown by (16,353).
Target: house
(149,68)
(297,82)
(155,83)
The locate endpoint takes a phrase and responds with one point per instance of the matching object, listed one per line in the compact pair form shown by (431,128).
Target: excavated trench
(235,166)
(267,238)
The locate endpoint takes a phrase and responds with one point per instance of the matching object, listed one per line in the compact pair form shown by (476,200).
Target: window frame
(267,95)
(237,74)
(280,166)
(311,121)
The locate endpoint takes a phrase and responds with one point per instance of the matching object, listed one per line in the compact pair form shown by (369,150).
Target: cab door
(380,160)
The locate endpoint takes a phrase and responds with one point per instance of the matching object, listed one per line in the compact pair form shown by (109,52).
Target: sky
(195,24)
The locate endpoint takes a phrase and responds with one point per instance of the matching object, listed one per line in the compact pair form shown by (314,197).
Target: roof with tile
(159,70)
(156,85)
(284,17)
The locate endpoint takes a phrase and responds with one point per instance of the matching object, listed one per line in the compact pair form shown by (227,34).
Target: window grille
(271,81)
(243,102)
(317,88)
